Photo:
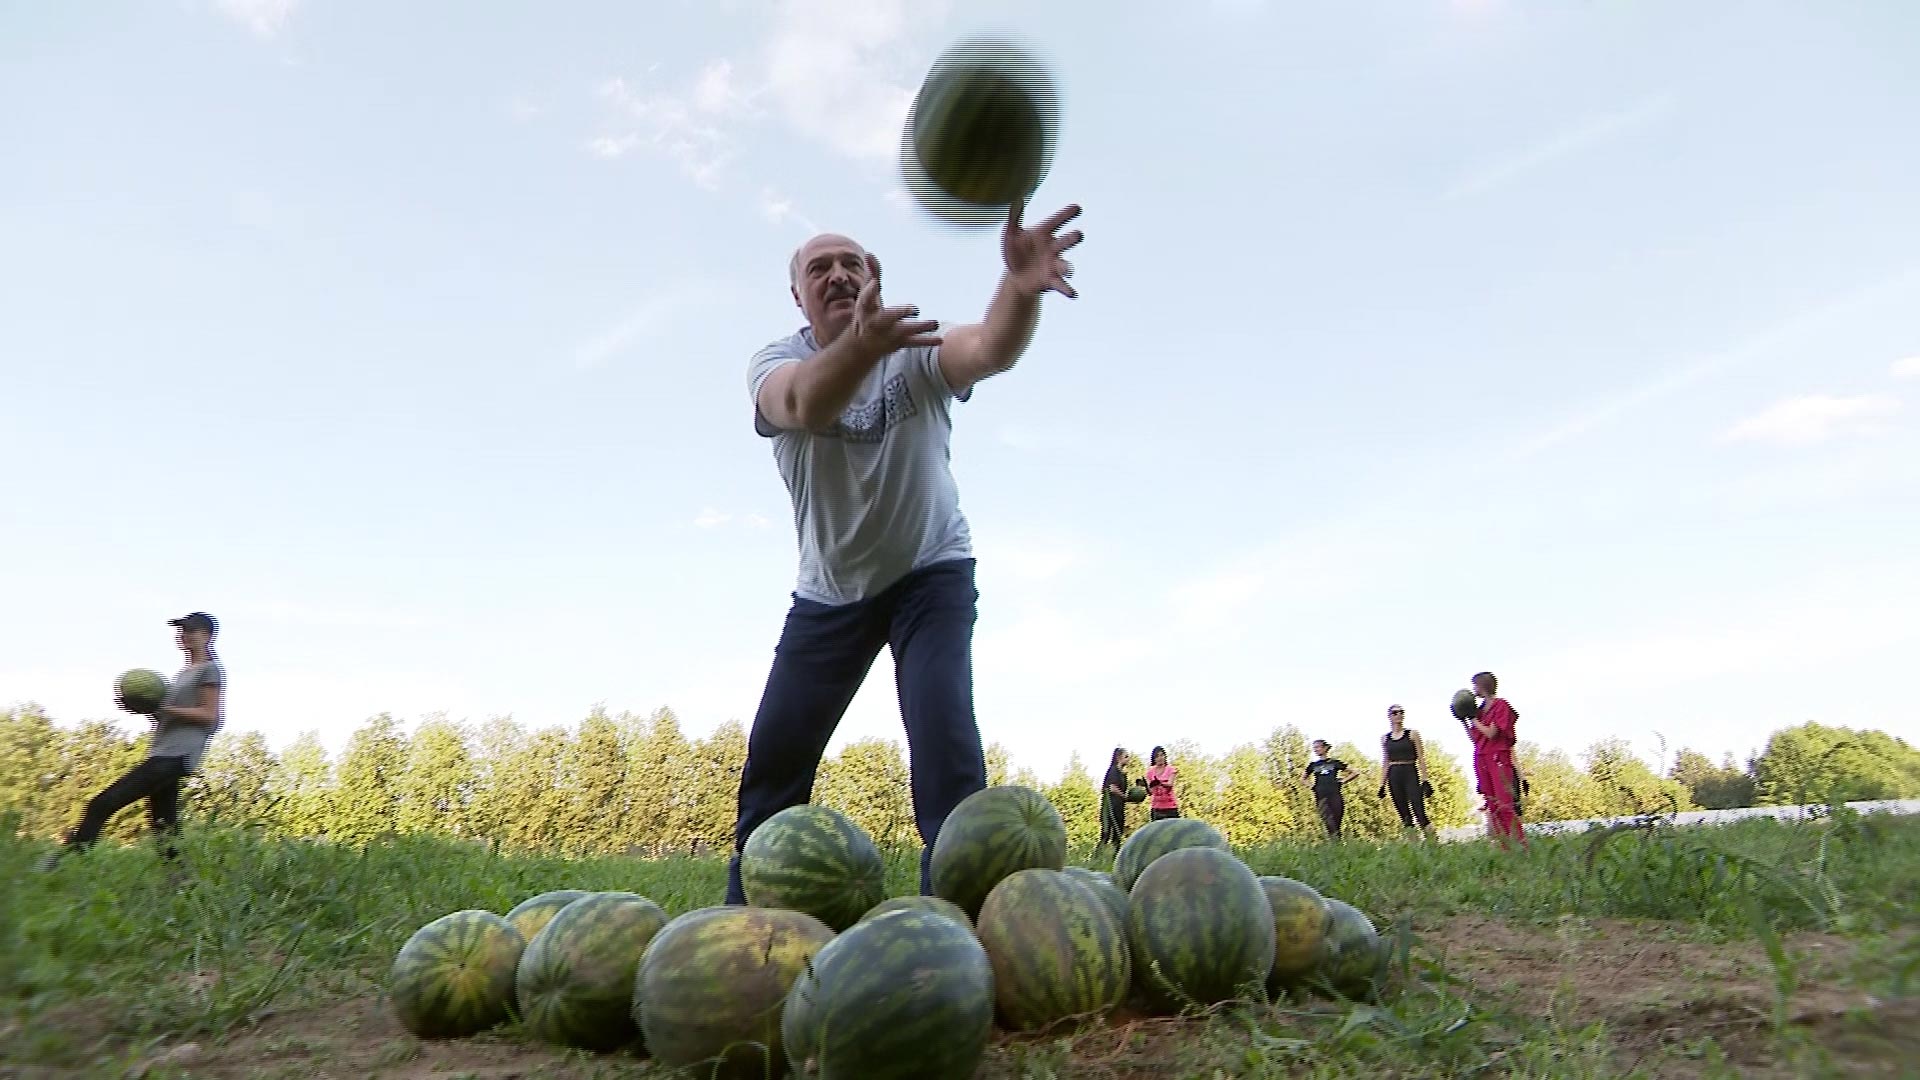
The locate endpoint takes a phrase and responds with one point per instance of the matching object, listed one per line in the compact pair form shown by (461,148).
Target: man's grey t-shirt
(178,738)
(873,494)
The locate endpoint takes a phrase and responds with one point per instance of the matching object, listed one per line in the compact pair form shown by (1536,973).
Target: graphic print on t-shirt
(1326,776)
(868,422)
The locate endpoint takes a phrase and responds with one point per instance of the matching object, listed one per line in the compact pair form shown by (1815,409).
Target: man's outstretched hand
(1033,254)
(884,330)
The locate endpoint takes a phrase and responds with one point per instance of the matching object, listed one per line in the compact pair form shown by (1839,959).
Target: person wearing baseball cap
(184,722)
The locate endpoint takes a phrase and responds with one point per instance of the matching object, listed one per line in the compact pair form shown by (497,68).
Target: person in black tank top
(1404,767)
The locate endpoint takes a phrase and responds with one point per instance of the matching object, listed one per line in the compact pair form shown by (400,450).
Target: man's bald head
(826,276)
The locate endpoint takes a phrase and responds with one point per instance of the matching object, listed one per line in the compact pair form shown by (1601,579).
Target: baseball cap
(199,620)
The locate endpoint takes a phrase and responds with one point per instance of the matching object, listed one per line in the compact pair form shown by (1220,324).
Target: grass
(1645,952)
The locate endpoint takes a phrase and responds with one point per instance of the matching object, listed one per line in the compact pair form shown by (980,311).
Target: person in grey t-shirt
(192,710)
(857,407)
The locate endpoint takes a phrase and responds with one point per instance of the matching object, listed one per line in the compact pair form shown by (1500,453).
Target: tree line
(638,784)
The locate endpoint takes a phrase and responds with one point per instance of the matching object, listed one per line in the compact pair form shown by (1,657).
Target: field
(1759,949)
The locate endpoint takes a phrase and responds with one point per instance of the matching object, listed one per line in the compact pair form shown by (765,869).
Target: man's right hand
(879,330)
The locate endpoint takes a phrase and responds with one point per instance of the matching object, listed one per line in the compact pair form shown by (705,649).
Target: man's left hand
(1034,265)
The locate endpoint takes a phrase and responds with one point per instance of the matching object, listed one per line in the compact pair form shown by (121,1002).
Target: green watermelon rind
(1201,930)
(1015,158)
(129,686)
(574,985)
(813,859)
(454,976)
(1058,953)
(934,904)
(904,996)
(1297,947)
(1104,887)
(712,986)
(531,915)
(1157,838)
(1355,956)
(993,833)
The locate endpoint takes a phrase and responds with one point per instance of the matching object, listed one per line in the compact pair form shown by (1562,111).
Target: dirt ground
(1659,995)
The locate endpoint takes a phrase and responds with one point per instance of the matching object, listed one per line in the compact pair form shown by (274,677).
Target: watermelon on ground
(454,976)
(1056,949)
(919,903)
(1102,885)
(904,996)
(141,690)
(1201,929)
(1300,922)
(990,834)
(1155,839)
(575,981)
(1353,956)
(813,859)
(531,915)
(711,987)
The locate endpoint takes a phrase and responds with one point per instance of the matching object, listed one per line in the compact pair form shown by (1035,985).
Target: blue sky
(1576,341)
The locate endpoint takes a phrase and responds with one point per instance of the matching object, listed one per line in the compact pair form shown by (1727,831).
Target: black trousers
(824,654)
(1403,783)
(1113,818)
(1333,810)
(1156,815)
(157,780)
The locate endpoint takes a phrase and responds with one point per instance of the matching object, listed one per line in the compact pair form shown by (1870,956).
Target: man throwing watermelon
(857,405)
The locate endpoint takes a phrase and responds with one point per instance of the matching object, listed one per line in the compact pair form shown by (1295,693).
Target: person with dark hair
(1403,759)
(1161,802)
(1113,800)
(1328,777)
(193,708)
(1496,778)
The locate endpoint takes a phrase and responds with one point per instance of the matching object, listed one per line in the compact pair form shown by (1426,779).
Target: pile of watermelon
(823,975)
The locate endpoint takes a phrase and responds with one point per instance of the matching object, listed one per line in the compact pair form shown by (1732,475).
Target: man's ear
(796,298)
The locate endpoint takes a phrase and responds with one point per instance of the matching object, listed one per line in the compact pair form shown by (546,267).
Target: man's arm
(1034,267)
(807,395)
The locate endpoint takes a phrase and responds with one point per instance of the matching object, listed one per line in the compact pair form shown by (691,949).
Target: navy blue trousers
(824,654)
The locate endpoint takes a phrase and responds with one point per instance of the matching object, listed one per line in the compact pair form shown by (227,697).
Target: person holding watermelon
(1491,728)
(857,408)
(184,721)
(1161,802)
(1113,806)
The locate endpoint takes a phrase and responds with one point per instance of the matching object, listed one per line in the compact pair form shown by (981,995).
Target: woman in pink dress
(1492,732)
(1161,802)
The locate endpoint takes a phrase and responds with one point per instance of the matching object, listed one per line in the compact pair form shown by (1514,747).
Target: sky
(1578,342)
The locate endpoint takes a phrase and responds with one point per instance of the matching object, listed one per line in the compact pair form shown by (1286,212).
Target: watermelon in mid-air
(813,859)
(141,690)
(992,833)
(574,985)
(903,996)
(454,976)
(710,990)
(1201,929)
(980,133)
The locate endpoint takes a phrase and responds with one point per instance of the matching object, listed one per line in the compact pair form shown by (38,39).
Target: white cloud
(1814,418)
(266,18)
(645,318)
(1908,368)
(1574,140)
(683,128)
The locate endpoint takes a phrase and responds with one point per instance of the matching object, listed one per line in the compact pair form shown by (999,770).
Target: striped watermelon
(454,976)
(1103,886)
(981,129)
(1056,949)
(1353,955)
(904,996)
(990,834)
(710,989)
(1155,839)
(1300,921)
(1201,929)
(531,915)
(919,903)
(813,859)
(575,981)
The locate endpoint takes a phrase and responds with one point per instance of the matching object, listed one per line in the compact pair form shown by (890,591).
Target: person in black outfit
(1325,776)
(1404,768)
(1113,806)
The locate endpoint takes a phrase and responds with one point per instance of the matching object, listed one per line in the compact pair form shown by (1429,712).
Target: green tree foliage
(637,784)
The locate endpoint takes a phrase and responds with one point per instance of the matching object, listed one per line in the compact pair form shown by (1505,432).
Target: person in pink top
(1492,733)
(1161,802)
